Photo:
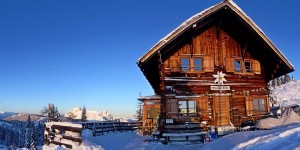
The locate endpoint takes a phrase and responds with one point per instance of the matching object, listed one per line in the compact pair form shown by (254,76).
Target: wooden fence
(63,133)
(100,128)
(70,134)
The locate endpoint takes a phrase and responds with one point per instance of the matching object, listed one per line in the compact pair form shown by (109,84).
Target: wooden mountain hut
(213,70)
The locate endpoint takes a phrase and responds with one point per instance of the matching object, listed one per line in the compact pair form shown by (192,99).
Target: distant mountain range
(24,117)
(104,115)
(6,114)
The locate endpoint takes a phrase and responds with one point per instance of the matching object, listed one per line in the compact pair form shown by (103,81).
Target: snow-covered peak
(76,113)
(288,94)
(106,114)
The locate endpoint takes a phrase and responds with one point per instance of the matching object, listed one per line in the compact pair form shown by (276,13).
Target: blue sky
(83,53)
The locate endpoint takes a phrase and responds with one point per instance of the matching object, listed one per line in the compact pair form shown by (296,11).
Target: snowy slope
(76,113)
(290,92)
(23,117)
(5,124)
(4,114)
(282,138)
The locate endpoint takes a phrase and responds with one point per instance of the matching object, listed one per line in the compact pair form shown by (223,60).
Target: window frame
(196,66)
(243,68)
(185,67)
(188,109)
(258,106)
(240,65)
(248,70)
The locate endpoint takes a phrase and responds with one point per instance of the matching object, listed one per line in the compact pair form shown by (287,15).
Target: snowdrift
(288,117)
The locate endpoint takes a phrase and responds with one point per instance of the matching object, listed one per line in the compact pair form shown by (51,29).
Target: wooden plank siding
(218,53)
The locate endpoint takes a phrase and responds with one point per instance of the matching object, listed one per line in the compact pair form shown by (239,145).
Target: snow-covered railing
(100,128)
(63,133)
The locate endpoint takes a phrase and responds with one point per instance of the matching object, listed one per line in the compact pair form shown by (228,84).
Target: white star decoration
(220,77)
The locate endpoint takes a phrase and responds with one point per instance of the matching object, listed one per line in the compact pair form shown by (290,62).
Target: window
(242,66)
(187,107)
(237,66)
(185,64)
(198,64)
(247,66)
(259,105)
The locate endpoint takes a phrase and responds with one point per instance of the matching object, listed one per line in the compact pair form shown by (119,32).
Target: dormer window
(198,64)
(247,66)
(243,66)
(185,64)
(237,65)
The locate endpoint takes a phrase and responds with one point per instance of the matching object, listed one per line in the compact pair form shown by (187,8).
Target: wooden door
(221,110)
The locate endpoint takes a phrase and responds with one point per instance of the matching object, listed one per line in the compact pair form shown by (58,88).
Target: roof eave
(240,13)
(180,30)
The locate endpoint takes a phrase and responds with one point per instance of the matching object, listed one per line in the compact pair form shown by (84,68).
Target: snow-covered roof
(191,22)
(66,124)
(152,97)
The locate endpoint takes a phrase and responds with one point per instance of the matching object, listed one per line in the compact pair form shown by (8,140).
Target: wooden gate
(221,110)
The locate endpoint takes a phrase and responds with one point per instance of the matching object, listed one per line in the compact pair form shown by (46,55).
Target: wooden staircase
(184,131)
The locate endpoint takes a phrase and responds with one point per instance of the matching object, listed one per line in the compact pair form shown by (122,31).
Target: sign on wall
(222,88)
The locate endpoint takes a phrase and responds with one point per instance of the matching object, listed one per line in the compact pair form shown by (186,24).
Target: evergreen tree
(273,83)
(29,123)
(39,134)
(45,111)
(139,114)
(15,137)
(83,114)
(12,147)
(22,132)
(53,114)
(278,81)
(28,132)
(8,137)
(287,78)
(56,115)
(282,80)
(2,135)
(33,142)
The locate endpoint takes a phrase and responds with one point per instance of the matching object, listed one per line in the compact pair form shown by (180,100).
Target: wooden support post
(162,115)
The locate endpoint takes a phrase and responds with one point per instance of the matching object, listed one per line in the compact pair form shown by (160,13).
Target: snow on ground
(133,141)
(289,92)
(123,119)
(282,138)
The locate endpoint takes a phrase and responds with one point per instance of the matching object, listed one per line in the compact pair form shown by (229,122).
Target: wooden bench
(187,136)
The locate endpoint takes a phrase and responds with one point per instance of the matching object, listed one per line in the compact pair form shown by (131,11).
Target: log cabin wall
(188,79)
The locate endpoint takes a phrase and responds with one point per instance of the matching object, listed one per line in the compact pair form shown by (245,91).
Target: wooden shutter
(249,106)
(175,64)
(229,65)
(256,67)
(172,106)
(208,64)
(202,107)
(167,64)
